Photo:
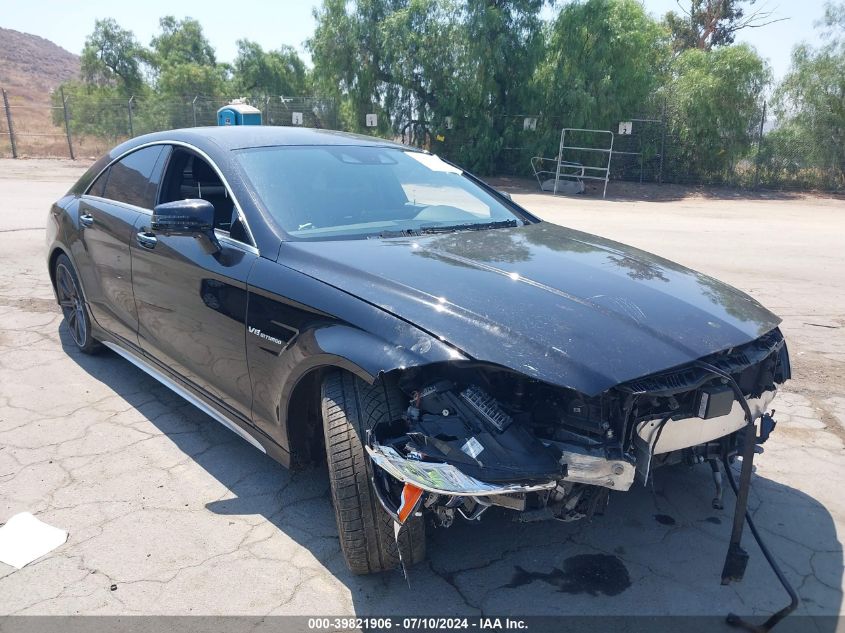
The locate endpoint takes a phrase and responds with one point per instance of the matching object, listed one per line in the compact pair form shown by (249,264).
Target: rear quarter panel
(59,225)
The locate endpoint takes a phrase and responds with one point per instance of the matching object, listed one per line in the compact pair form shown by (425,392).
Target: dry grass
(30,69)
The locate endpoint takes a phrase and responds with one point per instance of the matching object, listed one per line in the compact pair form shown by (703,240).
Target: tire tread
(349,406)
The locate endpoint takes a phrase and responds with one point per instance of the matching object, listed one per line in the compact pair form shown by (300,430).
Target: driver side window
(190,176)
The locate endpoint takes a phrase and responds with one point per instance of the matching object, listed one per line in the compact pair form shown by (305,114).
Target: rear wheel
(349,407)
(69,293)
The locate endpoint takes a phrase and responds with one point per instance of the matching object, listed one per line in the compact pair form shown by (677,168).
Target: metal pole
(266,120)
(607,173)
(67,123)
(759,148)
(9,121)
(642,159)
(129,108)
(194,109)
(559,158)
(736,559)
(662,145)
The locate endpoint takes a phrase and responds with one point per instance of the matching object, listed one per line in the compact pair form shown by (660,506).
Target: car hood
(562,306)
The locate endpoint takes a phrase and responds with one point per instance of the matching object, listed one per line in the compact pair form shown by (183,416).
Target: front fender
(298,326)
(291,384)
(368,355)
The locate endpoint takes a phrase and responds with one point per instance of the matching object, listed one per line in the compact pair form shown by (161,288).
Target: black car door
(192,303)
(107,214)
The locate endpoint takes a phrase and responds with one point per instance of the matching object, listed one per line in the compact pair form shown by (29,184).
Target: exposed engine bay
(475,436)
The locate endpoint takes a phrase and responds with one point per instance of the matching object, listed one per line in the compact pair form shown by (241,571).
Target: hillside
(31,66)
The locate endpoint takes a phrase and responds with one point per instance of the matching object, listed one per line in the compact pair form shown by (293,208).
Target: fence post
(662,144)
(194,109)
(67,123)
(9,121)
(129,108)
(759,148)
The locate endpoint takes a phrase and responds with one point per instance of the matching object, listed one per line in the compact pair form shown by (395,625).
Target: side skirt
(187,395)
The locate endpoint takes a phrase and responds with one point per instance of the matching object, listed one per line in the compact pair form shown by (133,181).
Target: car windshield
(343,192)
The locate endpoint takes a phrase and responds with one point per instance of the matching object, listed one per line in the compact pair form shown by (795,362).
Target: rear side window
(129,178)
(99,186)
(83,183)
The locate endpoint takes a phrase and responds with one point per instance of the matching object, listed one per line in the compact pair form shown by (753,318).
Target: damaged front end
(476,436)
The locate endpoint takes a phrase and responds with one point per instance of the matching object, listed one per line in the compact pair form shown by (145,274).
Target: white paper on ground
(24,538)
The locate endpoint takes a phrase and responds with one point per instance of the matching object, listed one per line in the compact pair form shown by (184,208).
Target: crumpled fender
(288,337)
(345,347)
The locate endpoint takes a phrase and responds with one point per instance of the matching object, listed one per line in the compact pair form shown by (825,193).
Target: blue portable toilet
(238,114)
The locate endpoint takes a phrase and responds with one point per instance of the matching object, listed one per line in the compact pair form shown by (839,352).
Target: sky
(273,24)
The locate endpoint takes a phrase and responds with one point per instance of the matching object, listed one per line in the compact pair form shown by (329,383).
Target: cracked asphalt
(170,513)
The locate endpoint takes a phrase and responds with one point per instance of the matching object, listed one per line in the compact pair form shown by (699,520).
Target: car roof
(230,137)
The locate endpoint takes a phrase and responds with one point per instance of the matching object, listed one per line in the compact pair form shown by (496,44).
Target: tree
(345,63)
(417,62)
(111,72)
(391,57)
(604,61)
(810,105)
(714,100)
(502,44)
(183,60)
(704,24)
(112,57)
(279,72)
(833,24)
(181,42)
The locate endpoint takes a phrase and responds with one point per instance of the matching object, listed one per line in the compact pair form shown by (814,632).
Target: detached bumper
(443,479)
(584,466)
(688,432)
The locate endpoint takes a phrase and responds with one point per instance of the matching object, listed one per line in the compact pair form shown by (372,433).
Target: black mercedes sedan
(347,300)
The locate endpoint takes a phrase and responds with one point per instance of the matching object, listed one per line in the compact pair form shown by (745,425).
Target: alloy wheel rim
(70,300)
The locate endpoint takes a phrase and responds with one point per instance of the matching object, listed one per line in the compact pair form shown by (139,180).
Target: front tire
(349,406)
(72,303)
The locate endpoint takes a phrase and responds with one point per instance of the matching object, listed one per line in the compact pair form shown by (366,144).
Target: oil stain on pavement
(584,573)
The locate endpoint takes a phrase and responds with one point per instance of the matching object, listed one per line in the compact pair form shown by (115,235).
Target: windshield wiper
(472,226)
(399,233)
(448,228)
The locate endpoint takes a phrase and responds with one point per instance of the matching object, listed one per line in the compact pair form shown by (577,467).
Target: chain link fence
(652,145)
(83,127)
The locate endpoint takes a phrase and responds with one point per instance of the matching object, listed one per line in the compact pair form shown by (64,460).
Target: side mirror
(506,195)
(193,217)
(183,217)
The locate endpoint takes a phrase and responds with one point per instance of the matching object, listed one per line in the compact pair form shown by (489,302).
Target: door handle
(86,219)
(147,240)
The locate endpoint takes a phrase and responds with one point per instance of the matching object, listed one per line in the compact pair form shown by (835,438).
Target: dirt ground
(169,513)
